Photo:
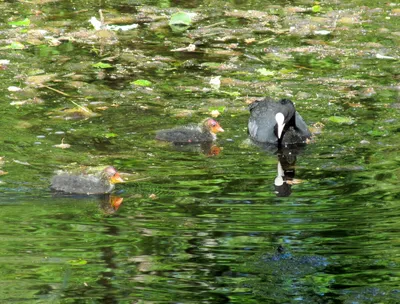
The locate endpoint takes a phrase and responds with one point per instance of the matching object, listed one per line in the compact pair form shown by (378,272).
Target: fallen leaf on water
(102,65)
(103,108)
(79,112)
(250,40)
(77,262)
(141,83)
(180,21)
(21,162)
(379,56)
(100,24)
(14,46)
(34,100)
(62,145)
(322,32)
(355,105)
(39,80)
(341,120)
(250,100)
(3,172)
(25,22)
(189,48)
(378,132)
(18,103)
(215,113)
(215,82)
(294,181)
(265,72)
(13,89)
(317,128)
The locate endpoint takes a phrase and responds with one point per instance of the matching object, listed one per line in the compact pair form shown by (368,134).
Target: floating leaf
(322,32)
(215,82)
(78,112)
(265,72)
(233,94)
(215,113)
(25,22)
(102,65)
(181,18)
(97,24)
(77,262)
(13,89)
(378,133)
(190,48)
(142,83)
(220,109)
(250,40)
(316,9)
(62,145)
(379,56)
(21,162)
(110,135)
(180,21)
(39,80)
(341,120)
(16,46)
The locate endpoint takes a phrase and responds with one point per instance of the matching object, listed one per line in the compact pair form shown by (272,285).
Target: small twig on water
(55,90)
(65,94)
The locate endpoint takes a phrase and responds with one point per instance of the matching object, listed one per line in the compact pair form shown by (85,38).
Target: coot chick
(205,132)
(277,123)
(89,181)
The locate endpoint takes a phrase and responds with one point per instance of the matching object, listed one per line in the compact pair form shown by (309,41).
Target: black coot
(277,123)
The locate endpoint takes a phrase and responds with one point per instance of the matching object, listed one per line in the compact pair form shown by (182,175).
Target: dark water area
(225,222)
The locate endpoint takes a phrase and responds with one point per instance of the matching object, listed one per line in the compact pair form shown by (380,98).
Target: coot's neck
(290,123)
(206,130)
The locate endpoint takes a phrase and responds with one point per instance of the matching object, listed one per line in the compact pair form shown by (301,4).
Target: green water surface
(197,226)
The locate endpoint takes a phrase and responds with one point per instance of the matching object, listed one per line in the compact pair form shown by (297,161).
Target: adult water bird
(276,123)
(204,132)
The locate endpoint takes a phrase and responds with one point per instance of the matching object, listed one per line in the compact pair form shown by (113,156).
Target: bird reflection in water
(285,174)
(109,204)
(209,149)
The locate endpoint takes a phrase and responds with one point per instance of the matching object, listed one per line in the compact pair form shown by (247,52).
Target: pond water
(200,224)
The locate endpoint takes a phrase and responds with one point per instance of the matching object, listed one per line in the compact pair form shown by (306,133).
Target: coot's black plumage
(277,123)
(205,132)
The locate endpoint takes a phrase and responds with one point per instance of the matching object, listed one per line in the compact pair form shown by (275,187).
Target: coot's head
(212,126)
(112,175)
